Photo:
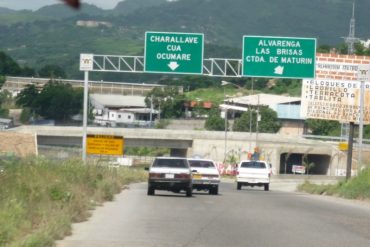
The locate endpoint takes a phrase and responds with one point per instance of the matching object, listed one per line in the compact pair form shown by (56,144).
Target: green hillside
(5,10)
(129,6)
(225,22)
(51,36)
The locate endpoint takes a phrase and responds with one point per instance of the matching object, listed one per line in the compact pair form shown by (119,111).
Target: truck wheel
(189,192)
(215,190)
(150,191)
(267,187)
(238,186)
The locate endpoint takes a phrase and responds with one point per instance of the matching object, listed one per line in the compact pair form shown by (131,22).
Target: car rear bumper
(205,184)
(255,181)
(165,184)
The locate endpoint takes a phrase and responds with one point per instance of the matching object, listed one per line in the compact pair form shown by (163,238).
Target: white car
(205,175)
(170,173)
(253,173)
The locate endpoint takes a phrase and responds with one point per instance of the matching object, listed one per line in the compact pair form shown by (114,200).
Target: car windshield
(201,164)
(172,163)
(253,164)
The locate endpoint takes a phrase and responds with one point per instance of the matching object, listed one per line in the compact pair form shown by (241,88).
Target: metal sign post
(86,65)
(363,76)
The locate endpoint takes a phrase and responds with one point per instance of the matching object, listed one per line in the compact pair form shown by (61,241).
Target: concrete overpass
(282,151)
(16,84)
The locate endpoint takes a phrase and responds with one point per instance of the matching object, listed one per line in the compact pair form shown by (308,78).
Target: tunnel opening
(298,163)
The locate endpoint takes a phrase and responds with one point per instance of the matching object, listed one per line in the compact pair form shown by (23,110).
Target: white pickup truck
(253,173)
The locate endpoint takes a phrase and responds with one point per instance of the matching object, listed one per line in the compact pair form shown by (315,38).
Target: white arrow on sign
(173,65)
(279,70)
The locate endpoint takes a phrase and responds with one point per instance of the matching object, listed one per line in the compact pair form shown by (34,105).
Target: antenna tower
(351,39)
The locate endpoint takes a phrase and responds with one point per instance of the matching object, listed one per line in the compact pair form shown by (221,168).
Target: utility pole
(250,119)
(151,109)
(351,40)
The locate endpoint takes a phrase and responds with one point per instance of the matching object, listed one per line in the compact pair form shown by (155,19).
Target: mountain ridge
(52,32)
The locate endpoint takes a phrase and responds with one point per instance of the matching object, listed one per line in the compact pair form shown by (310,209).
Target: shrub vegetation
(40,199)
(355,188)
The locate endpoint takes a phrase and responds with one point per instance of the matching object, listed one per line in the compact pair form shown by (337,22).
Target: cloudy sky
(36,4)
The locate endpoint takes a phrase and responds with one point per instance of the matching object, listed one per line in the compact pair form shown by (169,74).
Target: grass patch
(355,188)
(40,199)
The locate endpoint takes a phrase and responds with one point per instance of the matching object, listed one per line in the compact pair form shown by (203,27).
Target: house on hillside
(197,109)
(287,109)
(121,110)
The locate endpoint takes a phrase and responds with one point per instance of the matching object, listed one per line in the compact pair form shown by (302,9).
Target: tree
(26,115)
(169,100)
(52,71)
(246,121)
(214,121)
(5,98)
(323,127)
(2,80)
(58,101)
(269,122)
(27,97)
(323,49)
(8,66)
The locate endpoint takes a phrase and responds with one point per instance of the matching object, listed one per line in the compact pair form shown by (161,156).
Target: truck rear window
(253,164)
(172,163)
(201,164)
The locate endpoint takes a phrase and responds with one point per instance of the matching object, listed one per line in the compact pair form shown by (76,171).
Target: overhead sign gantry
(182,53)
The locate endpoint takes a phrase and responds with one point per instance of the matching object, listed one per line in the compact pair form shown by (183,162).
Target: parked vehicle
(205,175)
(170,173)
(253,173)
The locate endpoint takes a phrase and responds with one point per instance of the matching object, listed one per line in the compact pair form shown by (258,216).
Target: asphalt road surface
(250,217)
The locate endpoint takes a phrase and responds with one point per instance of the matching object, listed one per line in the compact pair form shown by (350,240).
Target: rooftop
(263,99)
(121,101)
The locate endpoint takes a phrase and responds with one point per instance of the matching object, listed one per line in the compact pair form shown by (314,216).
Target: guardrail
(336,139)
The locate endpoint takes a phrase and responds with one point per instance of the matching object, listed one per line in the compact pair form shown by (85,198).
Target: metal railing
(134,64)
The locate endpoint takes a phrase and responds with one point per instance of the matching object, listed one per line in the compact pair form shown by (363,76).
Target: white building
(128,111)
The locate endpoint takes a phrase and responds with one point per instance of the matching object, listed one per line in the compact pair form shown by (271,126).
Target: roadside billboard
(334,100)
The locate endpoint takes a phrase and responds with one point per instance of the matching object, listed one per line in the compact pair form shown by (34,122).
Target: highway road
(250,217)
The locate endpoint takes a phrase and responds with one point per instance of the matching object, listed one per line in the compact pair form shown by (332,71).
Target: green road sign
(180,53)
(280,57)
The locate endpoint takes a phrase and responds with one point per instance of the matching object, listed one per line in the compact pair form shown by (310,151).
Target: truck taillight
(211,176)
(182,176)
(155,175)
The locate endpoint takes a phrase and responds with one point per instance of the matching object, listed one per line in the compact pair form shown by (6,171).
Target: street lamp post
(224,83)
